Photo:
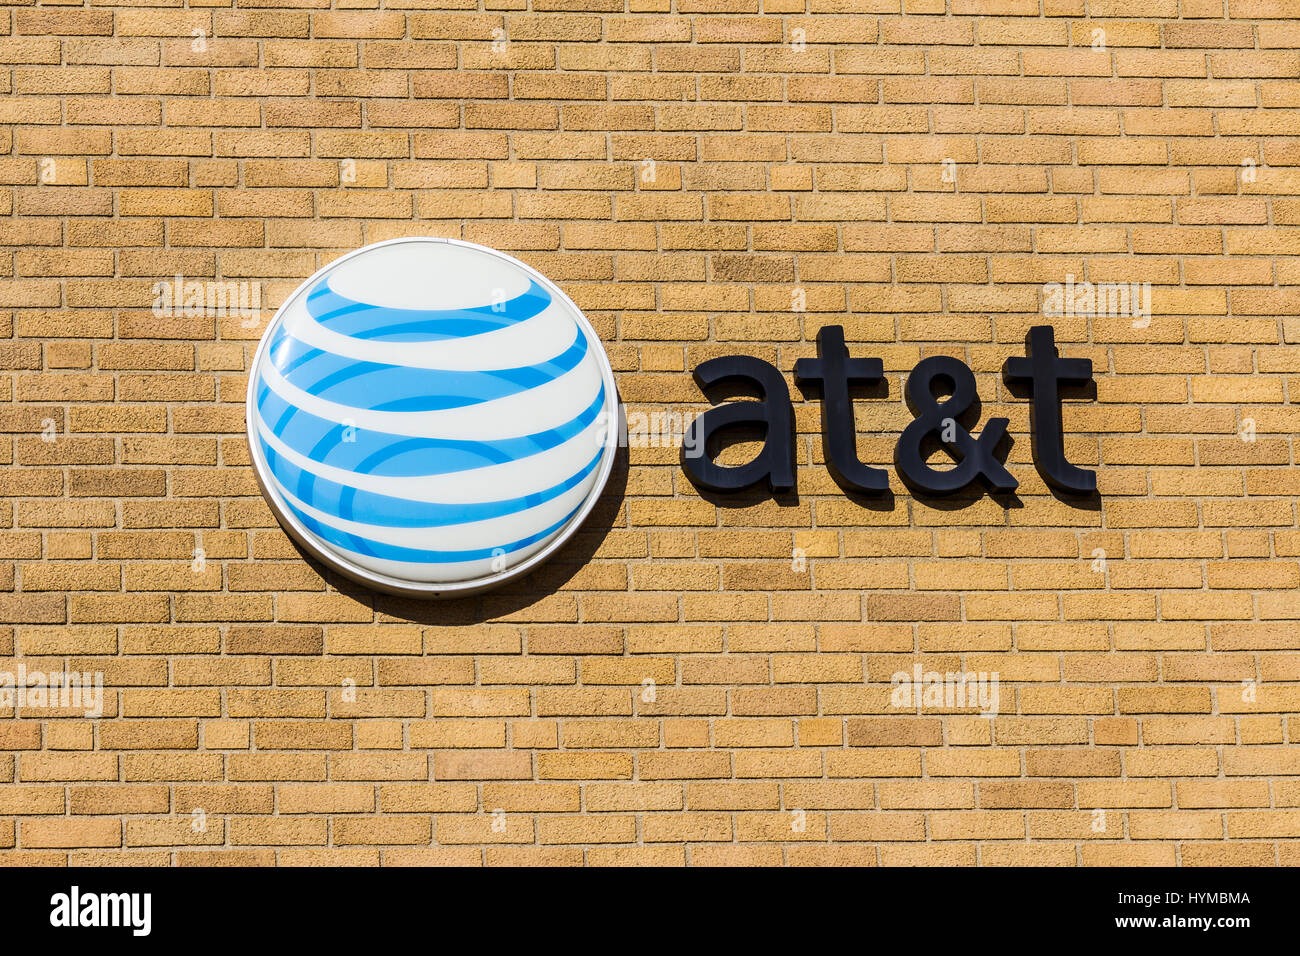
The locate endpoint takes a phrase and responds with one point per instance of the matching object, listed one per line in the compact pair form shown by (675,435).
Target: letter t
(835,371)
(1044,371)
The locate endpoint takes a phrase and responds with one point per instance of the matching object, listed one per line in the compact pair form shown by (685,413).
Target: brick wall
(685,172)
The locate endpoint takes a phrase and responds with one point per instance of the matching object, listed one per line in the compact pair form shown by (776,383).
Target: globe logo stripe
(380,387)
(488,532)
(309,435)
(369,507)
(525,343)
(363,320)
(433,537)
(498,482)
(363,546)
(549,405)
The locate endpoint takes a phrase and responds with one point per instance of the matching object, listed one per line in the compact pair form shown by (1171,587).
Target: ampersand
(975,457)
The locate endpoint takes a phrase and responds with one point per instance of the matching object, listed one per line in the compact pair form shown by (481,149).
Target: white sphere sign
(431,417)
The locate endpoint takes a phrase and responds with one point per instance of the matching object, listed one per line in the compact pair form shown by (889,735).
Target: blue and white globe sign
(431,417)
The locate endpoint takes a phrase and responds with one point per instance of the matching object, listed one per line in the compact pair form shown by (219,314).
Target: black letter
(940,418)
(773,411)
(1044,371)
(835,371)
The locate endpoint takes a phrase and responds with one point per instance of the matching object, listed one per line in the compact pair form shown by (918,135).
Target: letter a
(773,412)
(59,914)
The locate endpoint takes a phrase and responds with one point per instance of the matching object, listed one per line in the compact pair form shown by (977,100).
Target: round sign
(431,417)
